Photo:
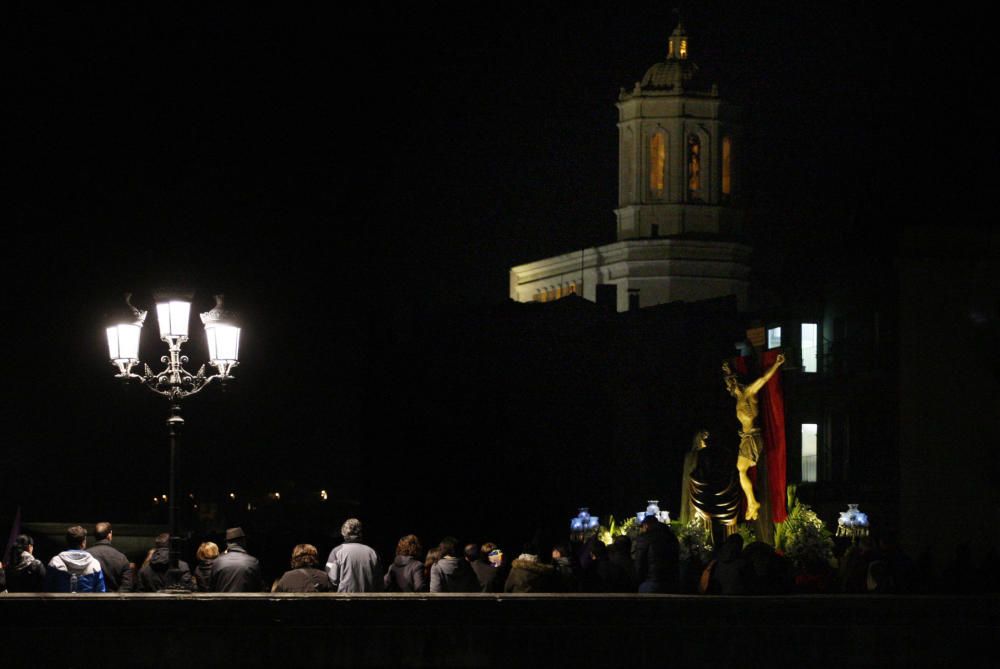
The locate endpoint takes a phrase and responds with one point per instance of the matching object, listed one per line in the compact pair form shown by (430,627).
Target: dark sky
(330,171)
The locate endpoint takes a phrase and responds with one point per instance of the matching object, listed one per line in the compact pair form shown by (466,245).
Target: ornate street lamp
(175,383)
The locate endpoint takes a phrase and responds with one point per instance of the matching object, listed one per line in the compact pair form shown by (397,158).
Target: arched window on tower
(694,168)
(658,164)
(727,167)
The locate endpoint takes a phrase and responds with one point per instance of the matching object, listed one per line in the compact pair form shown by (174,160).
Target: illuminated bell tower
(678,225)
(677,146)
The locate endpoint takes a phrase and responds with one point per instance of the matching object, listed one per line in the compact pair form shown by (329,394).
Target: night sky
(332,173)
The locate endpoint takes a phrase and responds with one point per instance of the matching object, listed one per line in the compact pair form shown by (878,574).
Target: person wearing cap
(236,570)
(353,566)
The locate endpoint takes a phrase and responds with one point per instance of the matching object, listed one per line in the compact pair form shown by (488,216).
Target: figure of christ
(751,442)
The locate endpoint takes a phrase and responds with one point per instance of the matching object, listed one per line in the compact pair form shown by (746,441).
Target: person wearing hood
(207,552)
(529,574)
(74,569)
(119,573)
(153,575)
(236,570)
(406,573)
(25,573)
(452,573)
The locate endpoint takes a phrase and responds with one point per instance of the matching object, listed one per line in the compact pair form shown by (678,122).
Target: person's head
(351,530)
(731,548)
(561,551)
(236,535)
(208,550)
(162,540)
(623,544)
(529,548)
(648,523)
(304,555)
(433,555)
(471,552)
(76,537)
(495,558)
(409,545)
(448,547)
(102,531)
(24,543)
(598,551)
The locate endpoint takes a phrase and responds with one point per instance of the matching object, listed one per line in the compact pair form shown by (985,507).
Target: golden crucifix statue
(751,443)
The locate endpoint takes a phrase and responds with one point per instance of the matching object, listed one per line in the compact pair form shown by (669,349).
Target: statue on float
(709,491)
(751,442)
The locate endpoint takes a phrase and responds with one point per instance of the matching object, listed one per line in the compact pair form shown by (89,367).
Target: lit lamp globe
(223,338)
(173,317)
(123,340)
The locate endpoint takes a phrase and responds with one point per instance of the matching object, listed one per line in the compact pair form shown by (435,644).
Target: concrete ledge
(487,630)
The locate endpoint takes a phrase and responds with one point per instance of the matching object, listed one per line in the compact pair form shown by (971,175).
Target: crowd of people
(651,563)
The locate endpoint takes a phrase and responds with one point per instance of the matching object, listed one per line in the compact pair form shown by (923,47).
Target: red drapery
(772,417)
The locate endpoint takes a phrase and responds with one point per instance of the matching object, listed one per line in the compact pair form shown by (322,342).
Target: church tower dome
(677,150)
(678,221)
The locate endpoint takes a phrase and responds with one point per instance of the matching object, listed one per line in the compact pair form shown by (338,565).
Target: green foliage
(746,531)
(607,534)
(695,541)
(780,530)
(803,536)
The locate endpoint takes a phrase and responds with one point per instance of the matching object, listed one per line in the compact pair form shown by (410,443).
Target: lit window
(774,337)
(809,433)
(694,168)
(684,48)
(810,346)
(727,166)
(657,163)
(670,49)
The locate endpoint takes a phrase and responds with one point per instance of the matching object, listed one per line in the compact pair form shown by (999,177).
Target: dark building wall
(950,392)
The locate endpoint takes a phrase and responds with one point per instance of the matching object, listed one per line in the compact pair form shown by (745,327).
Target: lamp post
(175,383)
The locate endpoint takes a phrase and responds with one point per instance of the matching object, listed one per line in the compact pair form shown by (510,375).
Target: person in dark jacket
(488,573)
(529,574)
(568,578)
(119,573)
(729,573)
(207,552)
(620,555)
(153,574)
(25,573)
(236,570)
(452,573)
(604,575)
(303,576)
(406,573)
(657,557)
(767,572)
